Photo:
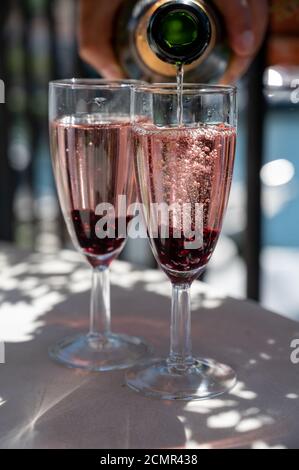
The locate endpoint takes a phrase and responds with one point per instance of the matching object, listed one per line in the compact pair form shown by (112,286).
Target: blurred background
(258,255)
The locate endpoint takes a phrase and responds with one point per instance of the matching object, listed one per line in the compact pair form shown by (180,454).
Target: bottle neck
(172,32)
(179,32)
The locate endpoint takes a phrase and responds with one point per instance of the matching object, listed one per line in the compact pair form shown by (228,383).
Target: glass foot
(203,379)
(100,353)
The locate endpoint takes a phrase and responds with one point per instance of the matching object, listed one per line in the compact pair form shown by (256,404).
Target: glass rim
(94,83)
(188,88)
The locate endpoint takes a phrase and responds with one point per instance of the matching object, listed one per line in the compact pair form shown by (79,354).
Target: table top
(44,405)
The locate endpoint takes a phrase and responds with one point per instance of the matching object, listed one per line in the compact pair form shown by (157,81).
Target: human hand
(246,23)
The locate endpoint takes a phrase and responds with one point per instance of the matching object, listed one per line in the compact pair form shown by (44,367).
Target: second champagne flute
(92,159)
(184,152)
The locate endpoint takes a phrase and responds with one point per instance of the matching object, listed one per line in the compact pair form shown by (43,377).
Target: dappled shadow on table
(44,298)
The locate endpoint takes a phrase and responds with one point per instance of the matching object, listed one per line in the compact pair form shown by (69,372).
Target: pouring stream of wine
(180,85)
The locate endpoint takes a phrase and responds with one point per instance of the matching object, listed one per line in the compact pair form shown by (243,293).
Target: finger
(238,66)
(239,24)
(260,18)
(240,63)
(105,62)
(95,36)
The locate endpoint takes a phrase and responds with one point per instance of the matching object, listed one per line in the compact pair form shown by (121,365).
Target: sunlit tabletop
(43,405)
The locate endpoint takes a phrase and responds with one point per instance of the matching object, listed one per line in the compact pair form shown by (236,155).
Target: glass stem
(180,343)
(100,315)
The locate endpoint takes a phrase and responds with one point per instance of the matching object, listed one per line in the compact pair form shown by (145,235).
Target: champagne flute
(93,166)
(184,173)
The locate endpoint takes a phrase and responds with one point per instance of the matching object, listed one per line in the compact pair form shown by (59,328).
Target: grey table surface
(44,405)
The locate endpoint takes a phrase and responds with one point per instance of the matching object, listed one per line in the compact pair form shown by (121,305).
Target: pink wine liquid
(92,165)
(186,165)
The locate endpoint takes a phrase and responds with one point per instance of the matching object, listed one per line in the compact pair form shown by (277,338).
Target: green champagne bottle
(153,37)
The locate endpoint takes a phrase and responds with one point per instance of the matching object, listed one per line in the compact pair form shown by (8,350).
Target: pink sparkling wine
(186,165)
(92,165)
